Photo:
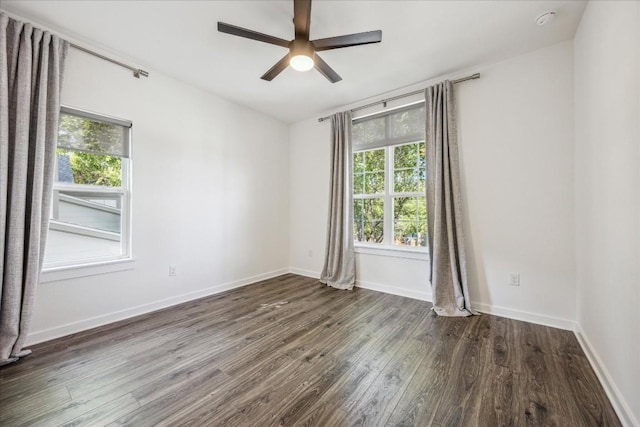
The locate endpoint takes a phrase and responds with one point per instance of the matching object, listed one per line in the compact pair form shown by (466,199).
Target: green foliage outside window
(409,210)
(94,169)
(89,166)
(368,178)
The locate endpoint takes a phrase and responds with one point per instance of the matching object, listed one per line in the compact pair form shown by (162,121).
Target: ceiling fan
(302,54)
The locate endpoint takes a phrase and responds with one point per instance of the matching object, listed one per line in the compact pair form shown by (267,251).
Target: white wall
(516,142)
(607,153)
(210,196)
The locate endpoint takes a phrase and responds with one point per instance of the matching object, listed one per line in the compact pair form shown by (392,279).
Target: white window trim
(90,268)
(394,251)
(103,265)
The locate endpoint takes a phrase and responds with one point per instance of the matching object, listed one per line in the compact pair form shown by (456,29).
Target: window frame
(61,270)
(387,247)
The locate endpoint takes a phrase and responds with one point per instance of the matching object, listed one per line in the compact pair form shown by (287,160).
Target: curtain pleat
(339,269)
(31,73)
(448,273)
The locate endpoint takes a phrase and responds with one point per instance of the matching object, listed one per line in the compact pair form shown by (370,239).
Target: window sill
(56,274)
(392,251)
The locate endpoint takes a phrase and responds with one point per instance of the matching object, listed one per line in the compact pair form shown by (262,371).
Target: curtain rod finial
(137,73)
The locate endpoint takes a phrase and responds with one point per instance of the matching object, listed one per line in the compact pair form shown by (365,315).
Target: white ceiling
(420,40)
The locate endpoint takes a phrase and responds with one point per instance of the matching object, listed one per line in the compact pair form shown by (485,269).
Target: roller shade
(397,126)
(84,131)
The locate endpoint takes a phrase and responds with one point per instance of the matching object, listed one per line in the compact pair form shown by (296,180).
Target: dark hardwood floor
(290,351)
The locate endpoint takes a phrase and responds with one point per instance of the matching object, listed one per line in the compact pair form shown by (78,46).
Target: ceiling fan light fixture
(301,62)
(302,51)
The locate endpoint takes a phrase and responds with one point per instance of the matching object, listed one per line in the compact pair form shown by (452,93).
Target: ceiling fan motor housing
(302,52)
(301,47)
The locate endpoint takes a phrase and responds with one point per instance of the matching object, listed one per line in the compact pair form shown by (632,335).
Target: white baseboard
(613,393)
(93,322)
(525,316)
(409,293)
(481,307)
(306,273)
(423,296)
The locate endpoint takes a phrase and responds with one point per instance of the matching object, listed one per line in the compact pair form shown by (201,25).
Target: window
(90,210)
(389,171)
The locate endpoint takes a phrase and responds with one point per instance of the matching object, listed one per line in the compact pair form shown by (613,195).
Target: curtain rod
(137,72)
(393,98)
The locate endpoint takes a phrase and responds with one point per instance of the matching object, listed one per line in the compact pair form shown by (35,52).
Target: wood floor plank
(421,397)
(291,351)
(58,374)
(162,356)
(106,413)
(578,379)
(209,415)
(347,390)
(544,404)
(323,414)
(461,396)
(297,400)
(157,411)
(250,381)
(377,404)
(26,407)
(499,403)
(69,411)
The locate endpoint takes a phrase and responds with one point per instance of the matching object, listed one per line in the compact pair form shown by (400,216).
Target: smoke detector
(545,18)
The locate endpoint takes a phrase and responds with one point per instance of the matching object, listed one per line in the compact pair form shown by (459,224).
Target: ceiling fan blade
(302,18)
(348,40)
(276,69)
(249,34)
(325,70)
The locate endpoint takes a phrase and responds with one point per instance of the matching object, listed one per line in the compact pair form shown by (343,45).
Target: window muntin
(91,192)
(389,182)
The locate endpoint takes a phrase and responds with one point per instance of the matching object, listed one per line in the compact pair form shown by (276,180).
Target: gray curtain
(448,273)
(31,69)
(339,269)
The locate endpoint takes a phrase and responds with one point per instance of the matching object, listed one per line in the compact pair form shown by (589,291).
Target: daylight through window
(389,170)
(90,208)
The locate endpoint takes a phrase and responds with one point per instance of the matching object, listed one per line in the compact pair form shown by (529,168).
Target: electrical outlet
(514,279)
(310,253)
(172,270)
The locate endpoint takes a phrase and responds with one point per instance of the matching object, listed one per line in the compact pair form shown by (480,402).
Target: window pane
(79,133)
(358,162)
(409,221)
(64,247)
(405,156)
(99,211)
(77,167)
(84,225)
(407,181)
(409,168)
(374,183)
(357,210)
(374,160)
(368,223)
(373,209)
(369,172)
(422,155)
(358,183)
(373,231)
